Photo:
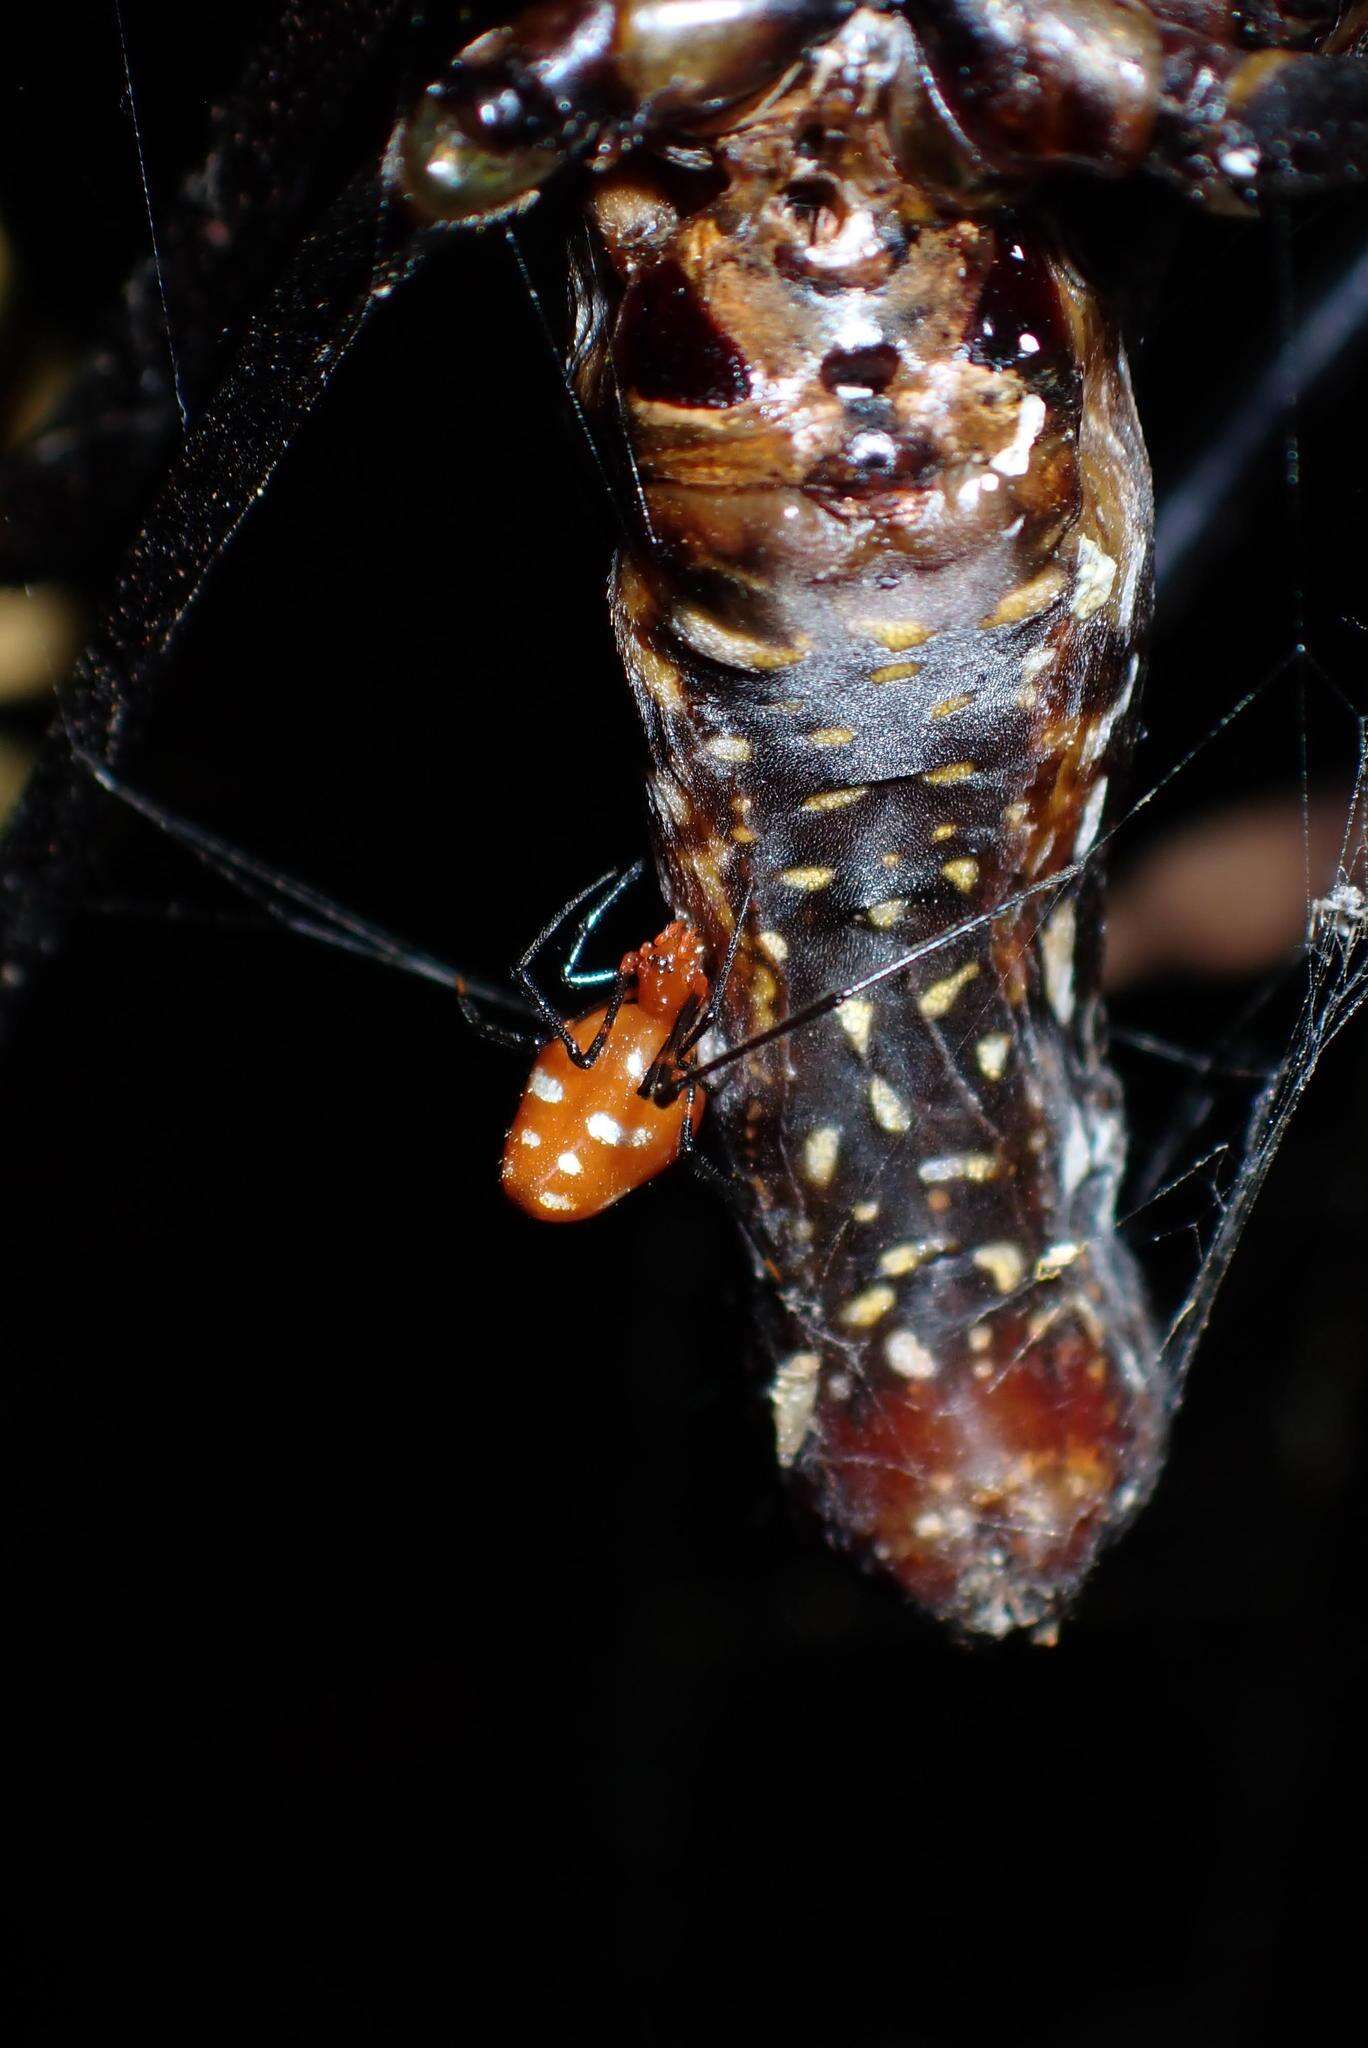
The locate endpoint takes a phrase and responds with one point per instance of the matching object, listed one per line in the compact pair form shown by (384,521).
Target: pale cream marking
(895,672)
(545,1087)
(908,1356)
(1004,1264)
(882,915)
(1093,579)
(981,1338)
(1037,661)
(831,736)
(834,799)
(974,1166)
(736,650)
(605,1129)
(743,835)
(1015,458)
(891,860)
(793,1395)
(1027,601)
(929,1526)
(549,1200)
(956,771)
(905,1258)
(820,1150)
(660,676)
(948,706)
(839,1386)
(862,1311)
(897,635)
(1103,728)
(938,1000)
(855,1016)
(940,834)
(1091,818)
(728,746)
(569,1163)
(864,1212)
(774,945)
(992,1054)
(963,873)
(1057,943)
(1056,1257)
(808,878)
(887,1107)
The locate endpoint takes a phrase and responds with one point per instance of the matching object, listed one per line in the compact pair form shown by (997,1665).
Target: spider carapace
(882,606)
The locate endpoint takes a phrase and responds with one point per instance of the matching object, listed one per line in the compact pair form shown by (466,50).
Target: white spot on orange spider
(808,878)
(820,1151)
(606,1129)
(887,1107)
(1003,1263)
(855,1017)
(569,1163)
(962,873)
(546,1087)
(992,1054)
(940,999)
(550,1200)
(908,1356)
(793,1395)
(636,1063)
(862,1311)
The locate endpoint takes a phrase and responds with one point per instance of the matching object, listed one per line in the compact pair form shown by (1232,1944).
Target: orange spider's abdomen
(583,1137)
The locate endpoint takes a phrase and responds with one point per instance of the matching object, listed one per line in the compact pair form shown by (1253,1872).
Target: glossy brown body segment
(883,635)
(883,608)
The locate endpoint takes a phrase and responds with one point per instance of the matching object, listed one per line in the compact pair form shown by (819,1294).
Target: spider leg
(599,895)
(286,361)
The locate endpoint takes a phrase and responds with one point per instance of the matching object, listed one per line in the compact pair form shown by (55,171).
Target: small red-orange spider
(589,1131)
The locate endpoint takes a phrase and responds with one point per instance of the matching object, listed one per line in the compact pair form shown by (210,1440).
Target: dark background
(405,1635)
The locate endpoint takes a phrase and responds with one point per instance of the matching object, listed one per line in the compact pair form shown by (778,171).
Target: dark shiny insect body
(882,609)
(883,612)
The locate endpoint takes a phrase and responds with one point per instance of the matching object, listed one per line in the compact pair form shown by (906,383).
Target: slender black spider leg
(600,895)
(667,1077)
(306,911)
(572,974)
(288,357)
(823,1005)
